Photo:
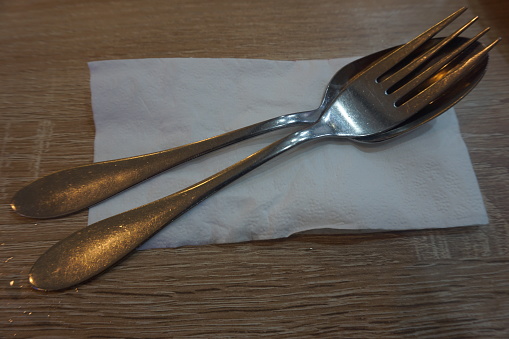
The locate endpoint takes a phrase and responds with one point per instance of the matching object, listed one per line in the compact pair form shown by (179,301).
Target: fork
(383,96)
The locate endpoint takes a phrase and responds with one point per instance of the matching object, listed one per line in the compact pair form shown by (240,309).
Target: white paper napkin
(422,180)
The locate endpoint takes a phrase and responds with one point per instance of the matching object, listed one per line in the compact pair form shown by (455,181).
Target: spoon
(74,189)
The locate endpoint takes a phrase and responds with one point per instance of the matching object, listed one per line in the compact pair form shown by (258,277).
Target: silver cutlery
(405,88)
(74,189)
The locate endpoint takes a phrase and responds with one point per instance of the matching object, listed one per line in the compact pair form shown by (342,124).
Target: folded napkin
(421,180)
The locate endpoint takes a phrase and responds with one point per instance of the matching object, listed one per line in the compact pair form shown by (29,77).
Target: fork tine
(400,74)
(399,54)
(424,75)
(432,92)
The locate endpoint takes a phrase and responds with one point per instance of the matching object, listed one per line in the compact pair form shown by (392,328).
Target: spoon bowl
(441,104)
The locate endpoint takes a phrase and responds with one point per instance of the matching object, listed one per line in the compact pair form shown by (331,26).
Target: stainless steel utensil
(398,88)
(71,190)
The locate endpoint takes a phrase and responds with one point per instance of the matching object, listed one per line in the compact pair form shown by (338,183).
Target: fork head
(405,81)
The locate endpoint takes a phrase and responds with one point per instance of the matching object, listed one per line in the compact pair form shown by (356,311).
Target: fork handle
(90,251)
(71,190)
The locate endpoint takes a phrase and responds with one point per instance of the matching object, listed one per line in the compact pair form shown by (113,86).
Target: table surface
(429,284)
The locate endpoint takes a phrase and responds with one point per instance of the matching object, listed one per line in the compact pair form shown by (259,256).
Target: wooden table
(425,284)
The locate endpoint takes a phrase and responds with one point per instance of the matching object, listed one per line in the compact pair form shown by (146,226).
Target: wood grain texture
(449,283)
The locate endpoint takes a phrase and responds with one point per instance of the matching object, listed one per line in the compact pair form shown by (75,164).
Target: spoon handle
(91,250)
(74,189)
